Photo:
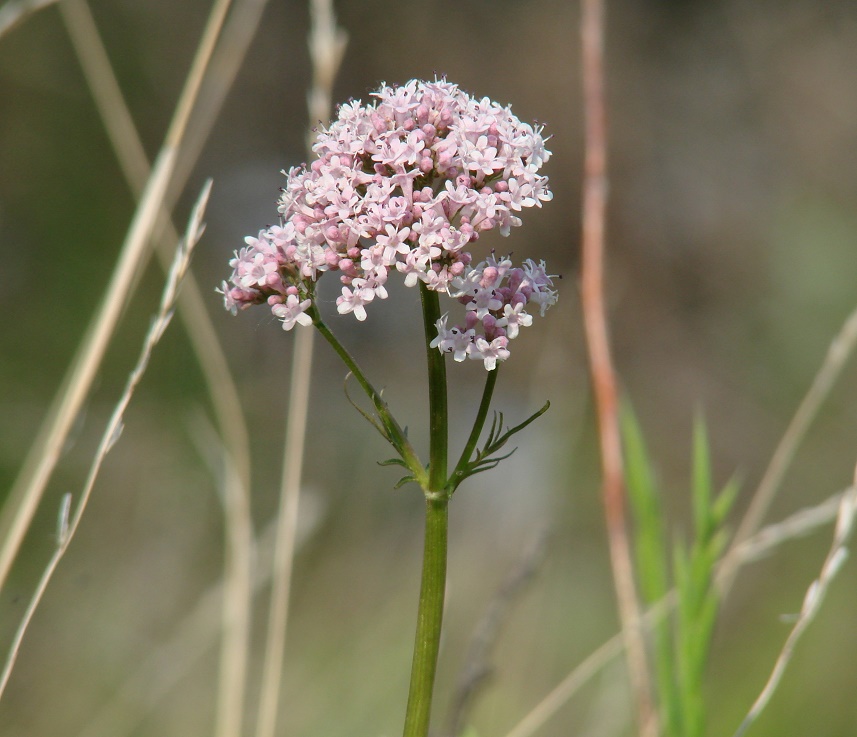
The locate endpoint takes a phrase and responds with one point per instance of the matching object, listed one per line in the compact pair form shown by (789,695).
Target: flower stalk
(405,185)
(433,582)
(429,616)
(438,415)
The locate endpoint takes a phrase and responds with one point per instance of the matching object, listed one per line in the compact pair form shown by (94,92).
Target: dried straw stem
(68,522)
(767,539)
(327,46)
(24,498)
(237,598)
(841,349)
(603,375)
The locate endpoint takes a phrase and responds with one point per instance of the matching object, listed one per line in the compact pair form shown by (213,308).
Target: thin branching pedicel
(407,184)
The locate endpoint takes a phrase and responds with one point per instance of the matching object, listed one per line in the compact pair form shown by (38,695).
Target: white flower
(513,318)
(293,311)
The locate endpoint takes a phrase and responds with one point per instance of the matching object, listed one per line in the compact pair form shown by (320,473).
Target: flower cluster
(406,184)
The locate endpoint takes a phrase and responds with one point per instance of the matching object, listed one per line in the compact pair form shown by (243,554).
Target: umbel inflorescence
(407,184)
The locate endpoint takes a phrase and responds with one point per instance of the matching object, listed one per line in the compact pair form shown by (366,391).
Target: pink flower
(292,311)
(406,183)
(491,352)
(355,300)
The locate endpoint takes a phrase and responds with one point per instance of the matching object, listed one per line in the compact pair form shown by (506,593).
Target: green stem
(432,587)
(429,618)
(438,416)
(395,434)
(478,424)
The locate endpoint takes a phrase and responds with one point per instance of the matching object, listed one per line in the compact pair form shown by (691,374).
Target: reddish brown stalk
(601,366)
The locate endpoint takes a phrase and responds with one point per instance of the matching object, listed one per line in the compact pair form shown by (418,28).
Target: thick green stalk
(432,587)
(438,416)
(429,618)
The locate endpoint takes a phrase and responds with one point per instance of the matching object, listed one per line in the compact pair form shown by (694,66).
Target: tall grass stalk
(601,364)
(38,466)
(154,677)
(68,521)
(226,59)
(327,46)
(811,604)
(211,359)
(771,537)
(740,551)
(841,349)
(239,30)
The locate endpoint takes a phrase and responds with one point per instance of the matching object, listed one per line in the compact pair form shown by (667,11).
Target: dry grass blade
(797,525)
(212,361)
(68,524)
(24,498)
(157,675)
(841,349)
(811,604)
(601,364)
(228,57)
(13,13)
(226,60)
(741,551)
(327,45)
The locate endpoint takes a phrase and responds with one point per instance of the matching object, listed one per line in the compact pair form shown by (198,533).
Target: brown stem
(603,376)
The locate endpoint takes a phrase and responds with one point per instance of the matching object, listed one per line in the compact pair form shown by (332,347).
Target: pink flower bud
(489,276)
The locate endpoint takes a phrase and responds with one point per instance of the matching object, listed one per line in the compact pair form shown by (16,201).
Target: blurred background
(732,262)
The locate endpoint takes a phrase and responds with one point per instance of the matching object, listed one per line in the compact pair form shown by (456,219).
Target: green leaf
(404,480)
(650,542)
(369,418)
(701,484)
(681,641)
(485,458)
(650,549)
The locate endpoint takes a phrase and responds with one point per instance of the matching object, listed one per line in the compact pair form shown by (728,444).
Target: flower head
(406,183)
